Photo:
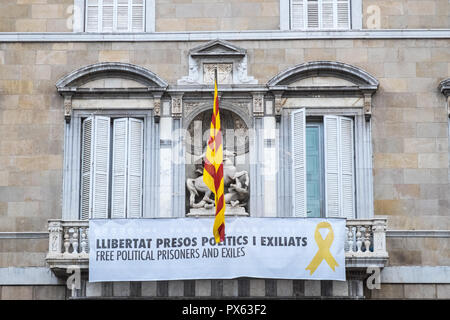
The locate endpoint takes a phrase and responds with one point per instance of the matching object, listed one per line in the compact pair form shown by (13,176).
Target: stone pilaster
(157,106)
(258,104)
(368,105)
(177,106)
(67,107)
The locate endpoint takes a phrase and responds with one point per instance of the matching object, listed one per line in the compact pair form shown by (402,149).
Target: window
(320,14)
(111,167)
(115,15)
(314,169)
(323,166)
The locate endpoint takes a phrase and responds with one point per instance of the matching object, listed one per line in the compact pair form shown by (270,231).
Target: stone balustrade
(366,238)
(365,243)
(68,244)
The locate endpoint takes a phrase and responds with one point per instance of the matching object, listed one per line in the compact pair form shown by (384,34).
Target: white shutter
(135,164)
(86,168)
(297,14)
(101,167)
(119,168)
(313,14)
(137,16)
(327,14)
(107,16)
(299,163)
(346,167)
(92,16)
(343,14)
(332,194)
(339,167)
(123,15)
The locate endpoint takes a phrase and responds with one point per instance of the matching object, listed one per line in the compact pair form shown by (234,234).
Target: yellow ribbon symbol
(324,248)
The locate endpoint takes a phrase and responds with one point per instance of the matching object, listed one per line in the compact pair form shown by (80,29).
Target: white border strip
(206,36)
(416,274)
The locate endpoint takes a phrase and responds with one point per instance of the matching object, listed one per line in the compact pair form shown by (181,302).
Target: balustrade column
(55,237)
(379,237)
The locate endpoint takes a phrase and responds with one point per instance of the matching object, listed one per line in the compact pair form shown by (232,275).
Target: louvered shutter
(101,167)
(135,165)
(86,168)
(313,14)
(299,163)
(123,15)
(119,168)
(346,167)
(339,167)
(137,16)
(107,16)
(327,14)
(298,14)
(343,14)
(332,194)
(92,16)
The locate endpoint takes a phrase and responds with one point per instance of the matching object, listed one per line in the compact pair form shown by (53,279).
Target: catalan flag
(213,170)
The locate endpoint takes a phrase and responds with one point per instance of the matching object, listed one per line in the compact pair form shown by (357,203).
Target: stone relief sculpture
(242,75)
(193,76)
(229,59)
(236,189)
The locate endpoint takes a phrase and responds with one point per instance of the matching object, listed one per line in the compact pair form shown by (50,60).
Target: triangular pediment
(217,48)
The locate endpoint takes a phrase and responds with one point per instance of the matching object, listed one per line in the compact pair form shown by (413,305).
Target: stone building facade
(388,71)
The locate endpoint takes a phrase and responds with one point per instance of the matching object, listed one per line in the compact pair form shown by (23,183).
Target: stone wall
(32,292)
(36,15)
(407,14)
(410,128)
(419,251)
(217,15)
(411,291)
(222,15)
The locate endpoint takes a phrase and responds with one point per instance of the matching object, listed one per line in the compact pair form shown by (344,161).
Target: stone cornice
(24,235)
(73,80)
(360,78)
(418,233)
(224,35)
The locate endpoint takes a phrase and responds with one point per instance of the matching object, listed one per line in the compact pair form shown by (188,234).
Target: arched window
(110,111)
(325,152)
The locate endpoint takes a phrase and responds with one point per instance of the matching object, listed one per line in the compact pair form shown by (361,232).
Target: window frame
(111,162)
(317,122)
(355,18)
(115,15)
(320,16)
(362,156)
(72,159)
(80,18)
(316,113)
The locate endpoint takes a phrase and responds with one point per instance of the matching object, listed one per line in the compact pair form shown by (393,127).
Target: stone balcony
(365,245)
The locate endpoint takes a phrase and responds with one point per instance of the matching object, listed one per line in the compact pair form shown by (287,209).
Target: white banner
(184,248)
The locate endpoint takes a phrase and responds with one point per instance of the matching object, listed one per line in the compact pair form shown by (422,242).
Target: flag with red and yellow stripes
(213,170)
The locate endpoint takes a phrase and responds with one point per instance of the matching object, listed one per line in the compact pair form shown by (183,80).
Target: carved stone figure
(236,186)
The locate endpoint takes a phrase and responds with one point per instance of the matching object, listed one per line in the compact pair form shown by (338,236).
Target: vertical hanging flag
(213,170)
